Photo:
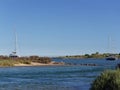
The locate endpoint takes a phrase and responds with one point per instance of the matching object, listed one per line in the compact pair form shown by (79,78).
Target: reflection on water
(53,77)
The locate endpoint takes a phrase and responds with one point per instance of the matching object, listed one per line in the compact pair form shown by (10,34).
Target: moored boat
(111,57)
(14,53)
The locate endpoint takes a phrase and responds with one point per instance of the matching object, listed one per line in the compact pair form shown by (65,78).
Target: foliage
(24,61)
(108,80)
(93,55)
(7,61)
(41,60)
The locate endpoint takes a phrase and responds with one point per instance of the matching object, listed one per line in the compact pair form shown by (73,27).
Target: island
(6,61)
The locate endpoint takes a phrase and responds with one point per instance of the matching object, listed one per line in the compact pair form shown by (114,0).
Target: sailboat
(14,53)
(111,56)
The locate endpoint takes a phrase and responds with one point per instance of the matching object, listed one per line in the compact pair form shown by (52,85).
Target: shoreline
(39,64)
(53,64)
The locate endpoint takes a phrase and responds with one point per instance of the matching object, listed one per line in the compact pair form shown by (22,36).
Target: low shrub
(6,63)
(25,61)
(108,80)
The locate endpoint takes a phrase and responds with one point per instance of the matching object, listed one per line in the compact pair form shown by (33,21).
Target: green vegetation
(108,80)
(93,55)
(7,61)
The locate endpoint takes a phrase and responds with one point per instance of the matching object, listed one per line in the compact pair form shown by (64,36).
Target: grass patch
(6,63)
(24,61)
(108,80)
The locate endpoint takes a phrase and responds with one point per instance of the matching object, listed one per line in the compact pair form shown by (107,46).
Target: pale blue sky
(59,27)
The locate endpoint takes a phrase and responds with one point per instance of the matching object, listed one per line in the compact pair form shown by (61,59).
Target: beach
(52,63)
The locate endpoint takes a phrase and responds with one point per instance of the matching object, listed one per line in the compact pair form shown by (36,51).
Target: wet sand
(40,64)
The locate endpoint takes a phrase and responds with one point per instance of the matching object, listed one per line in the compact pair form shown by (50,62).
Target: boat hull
(112,59)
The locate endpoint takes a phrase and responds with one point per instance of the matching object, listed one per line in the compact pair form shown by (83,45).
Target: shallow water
(74,77)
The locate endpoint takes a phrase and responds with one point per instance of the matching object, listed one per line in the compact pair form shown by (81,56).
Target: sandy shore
(41,64)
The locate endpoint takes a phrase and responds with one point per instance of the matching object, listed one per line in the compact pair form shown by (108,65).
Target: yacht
(14,53)
(111,57)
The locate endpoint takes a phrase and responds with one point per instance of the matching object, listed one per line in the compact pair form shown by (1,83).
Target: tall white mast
(109,45)
(15,49)
(14,53)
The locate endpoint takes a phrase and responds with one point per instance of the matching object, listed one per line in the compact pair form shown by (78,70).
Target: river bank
(41,64)
(6,61)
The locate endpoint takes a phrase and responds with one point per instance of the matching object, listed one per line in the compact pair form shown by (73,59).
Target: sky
(59,27)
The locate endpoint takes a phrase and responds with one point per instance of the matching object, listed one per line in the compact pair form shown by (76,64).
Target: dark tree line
(93,55)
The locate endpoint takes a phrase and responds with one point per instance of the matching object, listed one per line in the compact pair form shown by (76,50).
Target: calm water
(53,77)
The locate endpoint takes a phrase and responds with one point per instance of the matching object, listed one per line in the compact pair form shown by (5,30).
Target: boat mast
(109,45)
(14,53)
(15,42)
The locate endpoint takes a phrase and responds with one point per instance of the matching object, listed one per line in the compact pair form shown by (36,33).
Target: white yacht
(14,53)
